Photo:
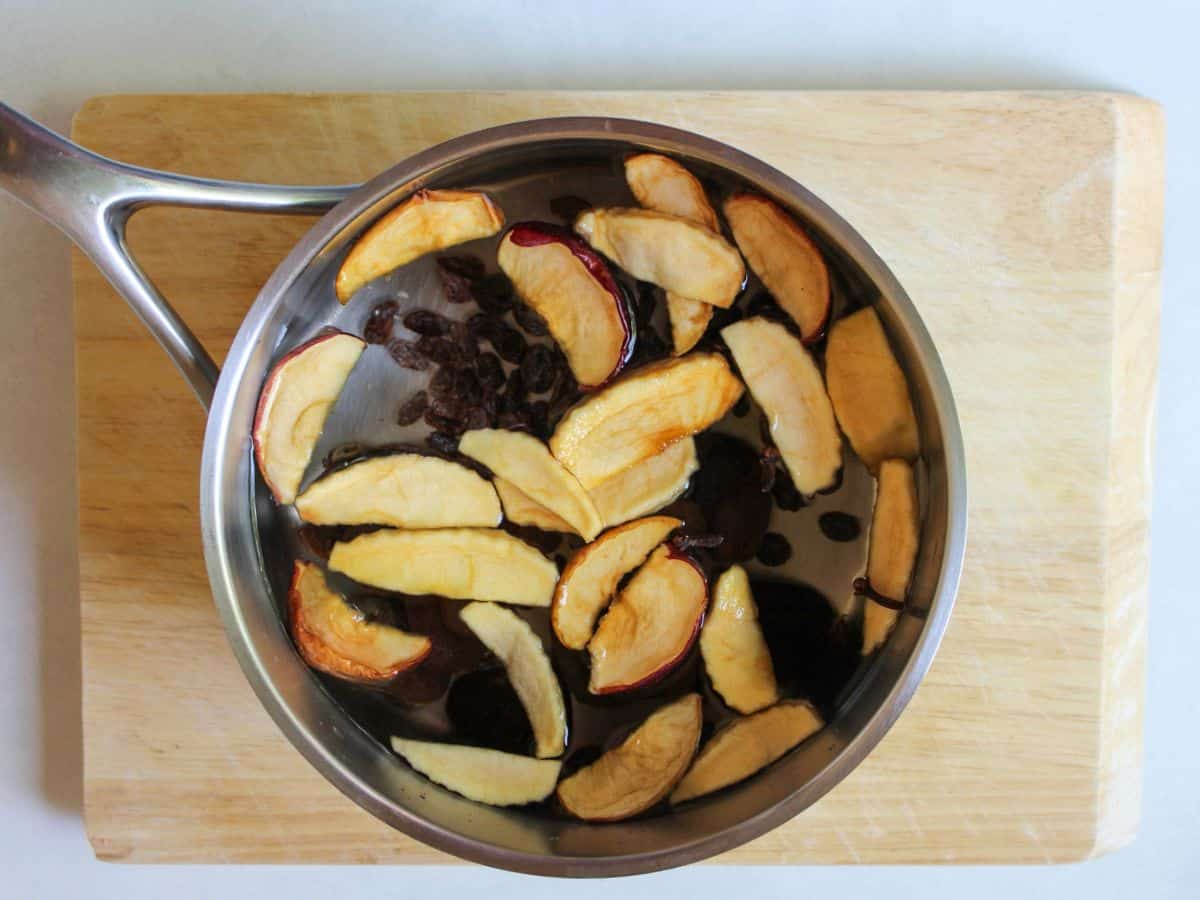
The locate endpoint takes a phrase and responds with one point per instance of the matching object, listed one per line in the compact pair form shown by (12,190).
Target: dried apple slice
(647,486)
(651,625)
(514,643)
(459,563)
(895,533)
(785,260)
(570,286)
(591,577)
(642,414)
(659,183)
(521,509)
(746,746)
(785,382)
(294,404)
(675,253)
(735,654)
(526,462)
(480,774)
(638,773)
(869,391)
(404,490)
(425,222)
(336,638)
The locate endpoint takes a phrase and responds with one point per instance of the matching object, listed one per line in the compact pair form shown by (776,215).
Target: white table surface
(53,55)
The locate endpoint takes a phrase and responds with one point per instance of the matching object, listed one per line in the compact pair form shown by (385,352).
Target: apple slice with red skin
(516,645)
(526,462)
(294,404)
(746,746)
(735,654)
(660,183)
(480,774)
(459,563)
(675,253)
(570,287)
(427,221)
(591,577)
(336,638)
(869,391)
(651,625)
(895,534)
(632,777)
(643,413)
(647,486)
(404,490)
(787,384)
(785,260)
(521,509)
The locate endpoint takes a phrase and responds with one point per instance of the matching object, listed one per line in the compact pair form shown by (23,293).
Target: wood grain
(1026,227)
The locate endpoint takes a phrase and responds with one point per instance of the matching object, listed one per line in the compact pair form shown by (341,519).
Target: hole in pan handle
(90,199)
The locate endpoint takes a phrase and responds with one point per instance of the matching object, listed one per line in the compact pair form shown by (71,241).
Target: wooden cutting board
(1027,229)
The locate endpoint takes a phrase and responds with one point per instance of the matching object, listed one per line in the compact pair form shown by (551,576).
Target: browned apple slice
(294,404)
(786,383)
(404,490)
(336,638)
(635,775)
(784,258)
(569,285)
(526,462)
(425,222)
(651,625)
(869,391)
(480,774)
(591,577)
(459,563)
(735,654)
(642,414)
(647,486)
(521,509)
(747,745)
(514,643)
(689,320)
(895,533)
(672,252)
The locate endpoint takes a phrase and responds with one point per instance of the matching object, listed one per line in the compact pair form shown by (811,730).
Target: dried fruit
(489,371)
(538,369)
(413,408)
(405,353)
(380,321)
(426,322)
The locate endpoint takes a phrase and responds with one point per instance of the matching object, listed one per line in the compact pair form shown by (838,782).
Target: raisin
(530,320)
(514,390)
(426,322)
(380,320)
(476,417)
(343,452)
(493,293)
(774,550)
(538,369)
(839,526)
(482,327)
(442,383)
(509,343)
(438,350)
(446,424)
(538,418)
(412,408)
(443,443)
(464,341)
(406,354)
(489,371)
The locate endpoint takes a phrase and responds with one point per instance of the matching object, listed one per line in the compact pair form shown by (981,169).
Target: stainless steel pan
(91,199)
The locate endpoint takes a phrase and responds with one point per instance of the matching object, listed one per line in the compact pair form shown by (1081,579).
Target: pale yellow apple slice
(404,490)
(591,577)
(480,774)
(526,462)
(895,533)
(647,486)
(784,258)
(869,391)
(661,184)
(638,773)
(651,625)
(459,563)
(735,654)
(427,221)
(514,643)
(677,254)
(786,383)
(746,746)
(336,638)
(642,414)
(521,509)
(569,285)
(294,404)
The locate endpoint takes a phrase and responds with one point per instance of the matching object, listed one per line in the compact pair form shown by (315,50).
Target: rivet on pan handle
(90,199)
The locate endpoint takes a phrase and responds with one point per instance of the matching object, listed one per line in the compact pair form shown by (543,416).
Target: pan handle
(90,199)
